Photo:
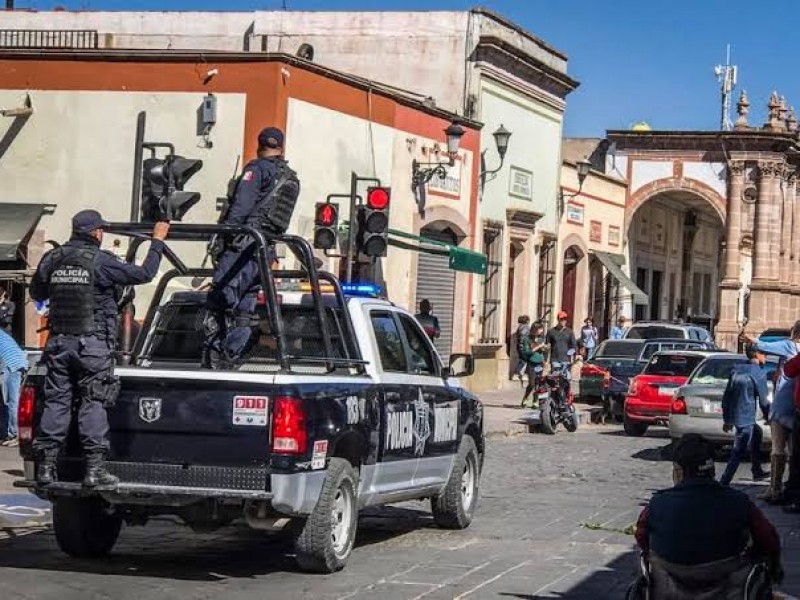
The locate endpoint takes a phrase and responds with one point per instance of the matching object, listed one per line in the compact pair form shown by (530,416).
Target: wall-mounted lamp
(583,167)
(501,139)
(422,173)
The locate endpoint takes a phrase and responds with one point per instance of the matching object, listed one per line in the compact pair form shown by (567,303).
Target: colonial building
(68,134)
(711,221)
(474,63)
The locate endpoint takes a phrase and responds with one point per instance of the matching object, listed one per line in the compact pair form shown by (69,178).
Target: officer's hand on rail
(161,230)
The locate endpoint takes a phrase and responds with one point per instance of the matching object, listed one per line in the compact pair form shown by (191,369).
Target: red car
(651,393)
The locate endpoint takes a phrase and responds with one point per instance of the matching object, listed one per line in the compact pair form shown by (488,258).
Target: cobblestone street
(550,525)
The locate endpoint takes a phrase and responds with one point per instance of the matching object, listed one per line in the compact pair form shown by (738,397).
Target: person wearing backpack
(264,198)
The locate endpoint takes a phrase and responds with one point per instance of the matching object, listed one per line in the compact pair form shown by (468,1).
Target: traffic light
(163,179)
(326,219)
(373,222)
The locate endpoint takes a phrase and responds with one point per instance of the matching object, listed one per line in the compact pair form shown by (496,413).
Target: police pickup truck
(342,403)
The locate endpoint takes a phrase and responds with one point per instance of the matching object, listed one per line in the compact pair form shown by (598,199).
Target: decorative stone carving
(737,167)
(768,169)
(791,120)
(742,109)
(773,113)
(783,112)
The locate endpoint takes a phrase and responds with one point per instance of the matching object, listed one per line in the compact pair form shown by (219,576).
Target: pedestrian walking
(784,415)
(428,321)
(7,310)
(746,389)
(533,353)
(264,199)
(589,338)
(83,284)
(523,331)
(13,365)
(618,331)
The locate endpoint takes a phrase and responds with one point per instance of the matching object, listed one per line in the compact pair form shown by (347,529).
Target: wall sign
(450,185)
(595,231)
(521,182)
(575,213)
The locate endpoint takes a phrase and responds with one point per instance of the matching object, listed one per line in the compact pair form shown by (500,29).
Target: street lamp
(501,139)
(422,173)
(583,167)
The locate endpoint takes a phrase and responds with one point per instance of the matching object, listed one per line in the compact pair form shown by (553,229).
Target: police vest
(274,209)
(72,292)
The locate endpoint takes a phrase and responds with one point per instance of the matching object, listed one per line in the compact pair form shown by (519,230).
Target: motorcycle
(555,400)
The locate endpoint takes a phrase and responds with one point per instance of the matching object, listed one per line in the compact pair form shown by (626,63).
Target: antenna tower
(726,75)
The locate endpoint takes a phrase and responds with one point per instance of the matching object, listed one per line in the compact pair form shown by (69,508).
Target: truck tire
(547,419)
(455,506)
(84,528)
(634,429)
(325,540)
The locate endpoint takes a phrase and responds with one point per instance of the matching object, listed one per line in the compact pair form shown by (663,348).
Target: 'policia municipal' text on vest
(72,292)
(273,211)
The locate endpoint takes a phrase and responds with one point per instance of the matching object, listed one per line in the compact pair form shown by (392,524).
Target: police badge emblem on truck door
(150,409)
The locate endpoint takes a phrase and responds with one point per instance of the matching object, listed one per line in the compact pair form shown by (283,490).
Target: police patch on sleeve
(247,176)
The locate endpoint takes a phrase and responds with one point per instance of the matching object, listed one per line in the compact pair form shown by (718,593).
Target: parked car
(697,407)
(651,392)
(648,330)
(607,375)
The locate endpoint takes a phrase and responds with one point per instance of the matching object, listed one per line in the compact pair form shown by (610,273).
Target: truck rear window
(653,332)
(618,349)
(675,365)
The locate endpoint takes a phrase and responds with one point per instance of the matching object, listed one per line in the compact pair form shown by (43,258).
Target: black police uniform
(232,299)
(82,283)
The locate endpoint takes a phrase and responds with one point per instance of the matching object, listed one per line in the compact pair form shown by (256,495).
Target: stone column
(727,328)
(794,258)
(784,261)
(764,287)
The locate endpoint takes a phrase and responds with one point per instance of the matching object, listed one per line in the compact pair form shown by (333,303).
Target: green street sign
(468,261)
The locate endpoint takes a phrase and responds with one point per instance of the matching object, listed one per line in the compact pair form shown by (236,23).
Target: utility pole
(726,75)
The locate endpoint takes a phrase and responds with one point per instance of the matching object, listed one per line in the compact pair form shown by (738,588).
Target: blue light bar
(363,290)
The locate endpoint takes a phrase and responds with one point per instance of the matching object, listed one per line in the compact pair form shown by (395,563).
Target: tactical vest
(72,292)
(273,211)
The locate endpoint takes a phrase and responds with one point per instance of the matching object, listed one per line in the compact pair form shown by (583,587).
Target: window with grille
(490,312)
(547,280)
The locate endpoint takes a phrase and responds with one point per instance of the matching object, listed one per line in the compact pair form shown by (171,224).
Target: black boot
(97,476)
(46,470)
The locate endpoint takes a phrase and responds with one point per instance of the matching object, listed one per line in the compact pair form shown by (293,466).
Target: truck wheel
(547,418)
(633,428)
(84,528)
(571,419)
(455,506)
(325,540)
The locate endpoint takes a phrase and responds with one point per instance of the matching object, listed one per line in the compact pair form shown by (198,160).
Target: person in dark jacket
(746,387)
(700,521)
(7,310)
(235,283)
(429,321)
(83,284)
(532,351)
(561,341)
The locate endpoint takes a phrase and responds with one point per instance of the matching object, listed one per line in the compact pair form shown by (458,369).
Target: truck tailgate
(199,418)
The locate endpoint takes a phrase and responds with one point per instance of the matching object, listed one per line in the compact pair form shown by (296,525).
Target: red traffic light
(326,215)
(378,198)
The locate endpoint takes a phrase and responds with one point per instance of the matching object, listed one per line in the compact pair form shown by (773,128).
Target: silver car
(697,407)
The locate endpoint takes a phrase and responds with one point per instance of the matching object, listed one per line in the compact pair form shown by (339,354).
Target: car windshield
(677,365)
(715,372)
(618,349)
(652,332)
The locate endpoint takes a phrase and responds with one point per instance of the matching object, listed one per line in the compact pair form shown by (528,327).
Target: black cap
(87,220)
(695,455)
(271,137)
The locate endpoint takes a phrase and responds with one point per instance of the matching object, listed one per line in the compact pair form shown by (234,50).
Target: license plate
(667,390)
(543,396)
(712,407)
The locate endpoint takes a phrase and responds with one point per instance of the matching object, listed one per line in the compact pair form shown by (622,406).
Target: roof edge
(482,10)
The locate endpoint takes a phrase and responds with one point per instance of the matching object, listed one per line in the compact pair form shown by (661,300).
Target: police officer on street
(83,285)
(264,199)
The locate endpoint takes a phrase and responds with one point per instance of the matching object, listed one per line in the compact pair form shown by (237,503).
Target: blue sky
(648,60)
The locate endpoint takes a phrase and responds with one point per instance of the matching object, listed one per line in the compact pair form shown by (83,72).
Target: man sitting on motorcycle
(532,351)
(700,534)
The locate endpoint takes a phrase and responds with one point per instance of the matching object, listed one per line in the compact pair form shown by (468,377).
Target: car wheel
(84,527)
(633,428)
(455,506)
(325,540)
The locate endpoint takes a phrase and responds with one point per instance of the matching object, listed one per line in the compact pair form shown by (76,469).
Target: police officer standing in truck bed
(83,284)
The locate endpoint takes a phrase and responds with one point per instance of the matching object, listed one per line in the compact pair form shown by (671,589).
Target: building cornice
(595,173)
(753,140)
(481,10)
(494,73)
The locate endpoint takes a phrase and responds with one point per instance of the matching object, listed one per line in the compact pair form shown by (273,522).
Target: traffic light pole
(351,234)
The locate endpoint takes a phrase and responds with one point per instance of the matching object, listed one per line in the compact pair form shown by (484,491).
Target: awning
(17,222)
(610,262)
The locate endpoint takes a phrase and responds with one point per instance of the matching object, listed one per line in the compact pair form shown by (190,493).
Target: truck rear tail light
(27,400)
(678,406)
(606,380)
(288,426)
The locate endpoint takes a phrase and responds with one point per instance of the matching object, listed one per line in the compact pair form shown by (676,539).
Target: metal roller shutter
(437,282)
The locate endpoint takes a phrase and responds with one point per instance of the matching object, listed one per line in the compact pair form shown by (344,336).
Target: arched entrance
(573,256)
(674,242)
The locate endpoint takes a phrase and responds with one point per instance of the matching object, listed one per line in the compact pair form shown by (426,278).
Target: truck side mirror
(461,365)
